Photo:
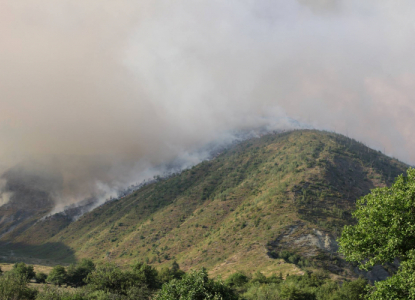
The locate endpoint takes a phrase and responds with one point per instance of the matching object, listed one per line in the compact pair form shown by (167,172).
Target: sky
(101,91)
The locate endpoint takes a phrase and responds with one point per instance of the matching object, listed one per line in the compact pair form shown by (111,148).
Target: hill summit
(273,204)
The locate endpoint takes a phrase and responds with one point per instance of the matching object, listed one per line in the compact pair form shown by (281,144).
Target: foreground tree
(385,230)
(13,285)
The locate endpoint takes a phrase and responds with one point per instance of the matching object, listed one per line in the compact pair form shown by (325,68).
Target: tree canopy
(385,230)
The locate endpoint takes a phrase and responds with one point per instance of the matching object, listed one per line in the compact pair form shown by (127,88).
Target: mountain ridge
(280,193)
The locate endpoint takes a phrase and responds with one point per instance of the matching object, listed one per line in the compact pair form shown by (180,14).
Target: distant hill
(271,204)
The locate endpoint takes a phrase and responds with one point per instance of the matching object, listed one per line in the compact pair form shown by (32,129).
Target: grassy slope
(228,213)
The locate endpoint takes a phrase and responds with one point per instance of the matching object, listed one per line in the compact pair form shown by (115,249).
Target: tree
(292,292)
(108,278)
(13,285)
(237,279)
(57,276)
(352,290)
(146,274)
(77,274)
(385,230)
(26,271)
(165,274)
(175,271)
(41,277)
(195,286)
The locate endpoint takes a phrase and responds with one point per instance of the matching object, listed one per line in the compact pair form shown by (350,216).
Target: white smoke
(98,90)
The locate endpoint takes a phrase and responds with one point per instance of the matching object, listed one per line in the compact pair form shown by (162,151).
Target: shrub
(195,286)
(14,286)
(77,274)
(237,279)
(109,279)
(26,271)
(41,277)
(57,276)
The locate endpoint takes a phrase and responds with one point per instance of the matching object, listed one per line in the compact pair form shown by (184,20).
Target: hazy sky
(147,80)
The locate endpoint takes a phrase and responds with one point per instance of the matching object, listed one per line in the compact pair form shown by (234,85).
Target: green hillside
(274,204)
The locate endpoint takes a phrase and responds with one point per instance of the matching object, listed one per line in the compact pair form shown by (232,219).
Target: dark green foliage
(292,258)
(399,286)
(166,274)
(109,278)
(195,285)
(41,277)
(293,292)
(26,271)
(76,274)
(57,276)
(13,285)
(386,225)
(385,231)
(310,286)
(146,275)
(353,290)
(237,280)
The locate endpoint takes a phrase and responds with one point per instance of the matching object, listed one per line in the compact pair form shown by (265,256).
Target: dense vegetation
(385,232)
(140,281)
(270,207)
(241,210)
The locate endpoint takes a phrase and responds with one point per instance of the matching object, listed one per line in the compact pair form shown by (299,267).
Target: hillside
(289,192)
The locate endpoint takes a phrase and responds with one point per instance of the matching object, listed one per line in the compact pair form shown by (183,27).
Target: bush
(146,275)
(26,271)
(352,290)
(57,276)
(195,286)
(111,280)
(53,293)
(13,285)
(262,291)
(41,277)
(292,292)
(237,279)
(77,274)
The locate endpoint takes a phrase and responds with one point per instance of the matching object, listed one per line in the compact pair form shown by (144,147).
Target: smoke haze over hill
(99,91)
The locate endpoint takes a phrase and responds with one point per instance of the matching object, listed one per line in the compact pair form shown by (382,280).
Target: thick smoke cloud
(100,91)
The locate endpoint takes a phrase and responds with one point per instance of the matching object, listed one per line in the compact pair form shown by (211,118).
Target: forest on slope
(273,204)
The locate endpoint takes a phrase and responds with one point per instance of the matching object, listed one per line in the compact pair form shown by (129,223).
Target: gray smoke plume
(101,91)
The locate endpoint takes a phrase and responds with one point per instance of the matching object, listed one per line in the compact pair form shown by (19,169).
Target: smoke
(101,91)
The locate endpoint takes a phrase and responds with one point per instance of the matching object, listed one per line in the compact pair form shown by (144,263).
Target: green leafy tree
(352,290)
(399,286)
(41,277)
(110,280)
(55,293)
(166,274)
(13,285)
(77,274)
(237,279)
(259,277)
(175,271)
(385,230)
(195,285)
(57,276)
(146,274)
(292,292)
(26,271)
